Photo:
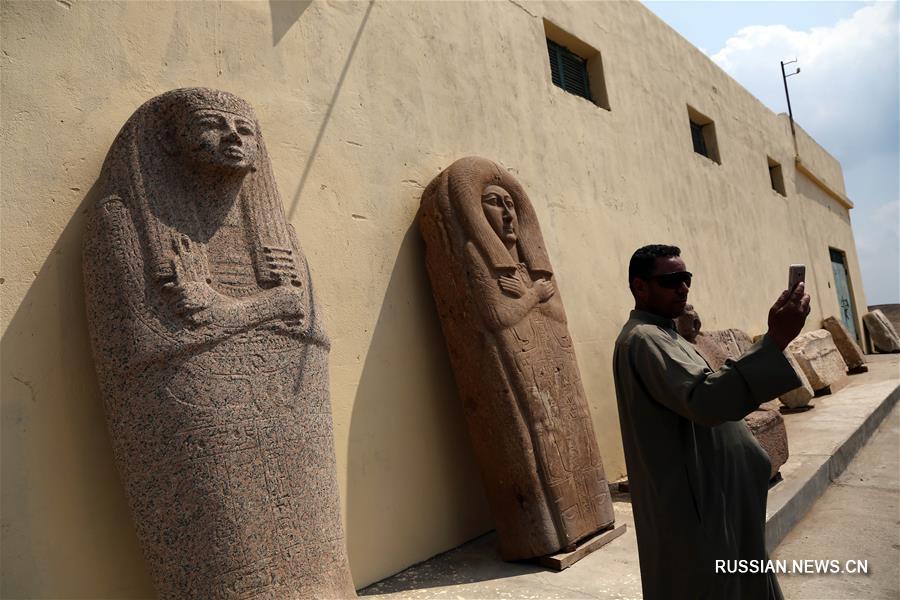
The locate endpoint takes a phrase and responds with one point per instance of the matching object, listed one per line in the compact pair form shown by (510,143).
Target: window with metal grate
(568,70)
(703,135)
(697,136)
(776,177)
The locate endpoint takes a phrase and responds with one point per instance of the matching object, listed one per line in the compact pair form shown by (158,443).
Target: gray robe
(698,478)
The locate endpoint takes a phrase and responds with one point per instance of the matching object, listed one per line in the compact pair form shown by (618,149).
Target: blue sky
(847,97)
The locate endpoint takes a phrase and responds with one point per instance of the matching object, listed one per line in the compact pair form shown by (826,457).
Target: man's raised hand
(788,315)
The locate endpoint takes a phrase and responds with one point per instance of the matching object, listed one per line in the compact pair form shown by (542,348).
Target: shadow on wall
(292,207)
(66,529)
(409,448)
(284,14)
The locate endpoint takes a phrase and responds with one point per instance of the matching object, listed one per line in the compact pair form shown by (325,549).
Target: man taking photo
(698,478)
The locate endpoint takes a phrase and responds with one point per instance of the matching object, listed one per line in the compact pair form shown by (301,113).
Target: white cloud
(846,96)
(879,253)
(847,70)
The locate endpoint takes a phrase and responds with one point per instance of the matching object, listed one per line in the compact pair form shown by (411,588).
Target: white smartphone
(796,274)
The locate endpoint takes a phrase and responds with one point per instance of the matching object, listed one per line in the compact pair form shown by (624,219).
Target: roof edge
(841,198)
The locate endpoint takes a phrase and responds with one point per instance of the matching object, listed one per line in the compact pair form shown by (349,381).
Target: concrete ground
(858,517)
(824,440)
(475,571)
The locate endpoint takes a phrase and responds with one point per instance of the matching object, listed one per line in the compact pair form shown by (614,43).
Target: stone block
(711,350)
(881,331)
(846,345)
(767,426)
(719,345)
(800,396)
(741,340)
(891,311)
(820,360)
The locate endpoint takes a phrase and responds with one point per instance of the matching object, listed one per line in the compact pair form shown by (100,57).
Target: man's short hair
(644,259)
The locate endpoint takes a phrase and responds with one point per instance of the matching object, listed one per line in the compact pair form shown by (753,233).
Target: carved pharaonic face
(688,324)
(500,211)
(221,140)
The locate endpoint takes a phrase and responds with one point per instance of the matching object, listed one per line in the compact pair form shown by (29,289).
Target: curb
(798,496)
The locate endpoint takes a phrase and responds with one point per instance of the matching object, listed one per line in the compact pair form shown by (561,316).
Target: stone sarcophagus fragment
(881,331)
(800,397)
(717,346)
(720,345)
(212,358)
(767,426)
(846,345)
(891,313)
(820,360)
(515,366)
(714,346)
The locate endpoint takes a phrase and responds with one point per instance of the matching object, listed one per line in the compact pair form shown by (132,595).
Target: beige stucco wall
(825,167)
(361,105)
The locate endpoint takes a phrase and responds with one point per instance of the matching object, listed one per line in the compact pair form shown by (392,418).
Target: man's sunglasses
(672,281)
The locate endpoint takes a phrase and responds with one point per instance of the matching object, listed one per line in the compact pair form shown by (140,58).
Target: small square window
(568,70)
(703,135)
(575,66)
(776,177)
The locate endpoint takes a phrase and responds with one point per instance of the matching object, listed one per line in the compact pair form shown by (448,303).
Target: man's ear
(638,287)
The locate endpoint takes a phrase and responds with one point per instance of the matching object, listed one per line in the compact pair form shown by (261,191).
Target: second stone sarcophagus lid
(212,358)
(514,361)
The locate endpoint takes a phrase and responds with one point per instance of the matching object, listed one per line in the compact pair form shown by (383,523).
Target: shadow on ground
(475,561)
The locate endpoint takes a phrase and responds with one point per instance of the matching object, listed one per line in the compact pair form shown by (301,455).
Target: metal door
(842,287)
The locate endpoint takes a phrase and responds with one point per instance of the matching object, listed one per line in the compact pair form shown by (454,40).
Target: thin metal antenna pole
(787,94)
